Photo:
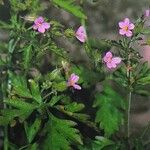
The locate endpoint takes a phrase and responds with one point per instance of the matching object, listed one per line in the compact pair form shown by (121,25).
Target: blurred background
(103,17)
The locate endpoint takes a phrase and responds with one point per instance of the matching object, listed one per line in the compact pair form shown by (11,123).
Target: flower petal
(81,34)
(109,65)
(41,29)
(81,38)
(74,78)
(76,86)
(121,24)
(113,64)
(35,27)
(122,32)
(46,25)
(129,33)
(116,60)
(109,54)
(39,19)
(131,26)
(147,13)
(127,21)
(105,59)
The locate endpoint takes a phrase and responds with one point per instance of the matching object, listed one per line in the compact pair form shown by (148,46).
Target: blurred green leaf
(35,91)
(62,86)
(32,130)
(20,104)
(20,86)
(74,107)
(56,99)
(27,56)
(69,6)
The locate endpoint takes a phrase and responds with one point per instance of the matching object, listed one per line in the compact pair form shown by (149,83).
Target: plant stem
(129,96)
(6,138)
(6,126)
(128,114)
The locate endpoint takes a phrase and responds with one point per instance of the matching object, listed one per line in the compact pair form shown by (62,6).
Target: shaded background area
(103,18)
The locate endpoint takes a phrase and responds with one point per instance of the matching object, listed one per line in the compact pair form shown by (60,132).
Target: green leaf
(69,6)
(32,130)
(74,107)
(145,80)
(35,91)
(55,75)
(33,147)
(55,99)
(10,114)
(27,55)
(61,134)
(12,45)
(20,104)
(2,63)
(102,142)
(87,81)
(62,86)
(4,120)
(109,115)
(146,31)
(20,86)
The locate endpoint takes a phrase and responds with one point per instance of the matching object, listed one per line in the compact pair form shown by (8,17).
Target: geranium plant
(59,107)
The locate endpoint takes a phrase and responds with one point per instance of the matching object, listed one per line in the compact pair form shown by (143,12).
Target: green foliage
(20,86)
(34,94)
(35,91)
(109,115)
(32,130)
(27,56)
(61,134)
(69,6)
(99,143)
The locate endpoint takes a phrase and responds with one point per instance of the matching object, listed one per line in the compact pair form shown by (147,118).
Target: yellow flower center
(126,28)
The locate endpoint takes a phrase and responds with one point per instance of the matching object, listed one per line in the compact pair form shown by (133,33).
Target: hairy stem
(128,114)
(129,68)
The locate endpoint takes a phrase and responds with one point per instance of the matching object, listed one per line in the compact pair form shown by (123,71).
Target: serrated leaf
(20,104)
(61,134)
(109,115)
(35,91)
(32,130)
(10,114)
(74,107)
(27,55)
(69,6)
(20,86)
(102,142)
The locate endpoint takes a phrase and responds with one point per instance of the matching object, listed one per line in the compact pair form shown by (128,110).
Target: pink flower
(40,25)
(126,27)
(73,80)
(111,62)
(81,34)
(147,13)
